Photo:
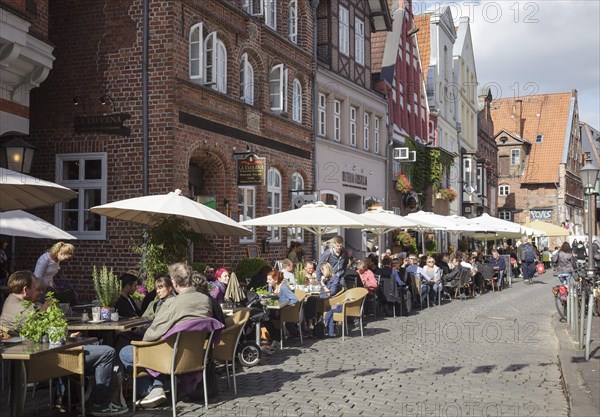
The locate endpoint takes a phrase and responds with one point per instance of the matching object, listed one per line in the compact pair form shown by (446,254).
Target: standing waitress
(48,264)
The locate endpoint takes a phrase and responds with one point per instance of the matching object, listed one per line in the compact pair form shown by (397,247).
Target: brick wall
(98,51)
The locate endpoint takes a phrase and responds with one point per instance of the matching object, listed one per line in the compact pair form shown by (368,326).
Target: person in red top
(367,277)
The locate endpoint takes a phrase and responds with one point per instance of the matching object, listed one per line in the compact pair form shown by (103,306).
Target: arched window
(297,101)
(207,59)
(246,81)
(293,21)
(274,200)
(278,88)
(297,187)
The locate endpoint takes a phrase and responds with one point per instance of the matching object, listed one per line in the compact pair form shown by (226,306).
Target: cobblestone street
(495,355)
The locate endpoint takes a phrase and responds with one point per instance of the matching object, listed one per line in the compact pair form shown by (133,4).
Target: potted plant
(403,184)
(448,194)
(50,324)
(108,290)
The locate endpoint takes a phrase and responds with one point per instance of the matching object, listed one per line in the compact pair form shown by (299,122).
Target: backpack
(319,330)
(528,253)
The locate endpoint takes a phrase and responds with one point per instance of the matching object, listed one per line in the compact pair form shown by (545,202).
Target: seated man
(126,304)
(499,266)
(187,305)
(414,268)
(23,286)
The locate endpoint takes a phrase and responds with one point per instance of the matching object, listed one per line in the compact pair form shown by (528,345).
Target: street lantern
(17,155)
(589,175)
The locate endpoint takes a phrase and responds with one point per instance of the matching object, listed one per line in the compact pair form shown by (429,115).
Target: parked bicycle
(585,287)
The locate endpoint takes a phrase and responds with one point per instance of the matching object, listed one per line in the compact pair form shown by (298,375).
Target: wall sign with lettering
(540,214)
(251,170)
(107,123)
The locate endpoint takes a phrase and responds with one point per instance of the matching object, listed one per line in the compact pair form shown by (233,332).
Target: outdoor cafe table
(27,351)
(123,324)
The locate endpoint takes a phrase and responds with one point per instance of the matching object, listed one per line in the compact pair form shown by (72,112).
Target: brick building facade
(539,159)
(223,79)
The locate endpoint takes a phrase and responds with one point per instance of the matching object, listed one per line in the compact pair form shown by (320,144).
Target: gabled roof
(422,21)
(549,115)
(514,138)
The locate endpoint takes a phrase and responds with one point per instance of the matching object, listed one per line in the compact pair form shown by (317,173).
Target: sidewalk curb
(576,391)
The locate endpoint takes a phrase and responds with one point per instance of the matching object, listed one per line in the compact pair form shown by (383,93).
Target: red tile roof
(377,48)
(424,40)
(544,114)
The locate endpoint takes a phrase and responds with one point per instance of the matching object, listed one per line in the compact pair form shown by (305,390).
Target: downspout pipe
(145,152)
(315,5)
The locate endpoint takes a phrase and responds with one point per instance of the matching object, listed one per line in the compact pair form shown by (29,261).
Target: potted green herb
(108,290)
(39,325)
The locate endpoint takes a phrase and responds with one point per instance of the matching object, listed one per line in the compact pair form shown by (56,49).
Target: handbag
(540,268)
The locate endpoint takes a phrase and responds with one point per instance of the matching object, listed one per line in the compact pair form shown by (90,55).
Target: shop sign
(542,214)
(107,123)
(350,179)
(251,170)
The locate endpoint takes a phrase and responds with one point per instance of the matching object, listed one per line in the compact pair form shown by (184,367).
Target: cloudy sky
(535,47)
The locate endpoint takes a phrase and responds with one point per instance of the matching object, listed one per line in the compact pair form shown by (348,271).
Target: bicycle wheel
(561,307)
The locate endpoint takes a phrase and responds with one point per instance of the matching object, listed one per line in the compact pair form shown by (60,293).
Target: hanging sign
(251,170)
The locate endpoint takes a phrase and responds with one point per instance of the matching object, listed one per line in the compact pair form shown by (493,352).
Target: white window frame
(246,81)
(337,120)
(366,131)
(274,196)
(209,55)
(215,63)
(515,157)
(278,88)
(505,215)
(248,192)
(297,188)
(253,7)
(503,190)
(297,101)
(376,122)
(359,41)
(293,21)
(344,31)
(196,52)
(80,186)
(270,10)
(353,113)
(322,115)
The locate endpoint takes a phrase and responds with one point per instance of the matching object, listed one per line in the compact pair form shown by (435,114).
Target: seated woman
(220,285)
(366,276)
(164,290)
(285,295)
(433,276)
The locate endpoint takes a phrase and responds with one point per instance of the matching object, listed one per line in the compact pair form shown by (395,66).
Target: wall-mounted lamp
(17,155)
(78,101)
(412,31)
(503,139)
(105,99)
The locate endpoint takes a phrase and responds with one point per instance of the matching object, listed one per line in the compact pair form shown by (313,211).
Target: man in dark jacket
(527,257)
(337,257)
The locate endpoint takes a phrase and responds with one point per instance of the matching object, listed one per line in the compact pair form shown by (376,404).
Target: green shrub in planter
(38,324)
(431,247)
(247,268)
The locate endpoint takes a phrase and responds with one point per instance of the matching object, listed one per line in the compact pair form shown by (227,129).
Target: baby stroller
(248,350)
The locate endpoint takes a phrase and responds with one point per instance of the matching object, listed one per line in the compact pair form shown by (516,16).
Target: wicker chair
(324,304)
(230,337)
(415,282)
(59,364)
(352,306)
(181,352)
(293,314)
